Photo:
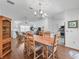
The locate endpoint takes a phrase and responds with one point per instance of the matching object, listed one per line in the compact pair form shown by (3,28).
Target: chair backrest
(31,43)
(30,39)
(47,34)
(56,39)
(17,34)
(41,33)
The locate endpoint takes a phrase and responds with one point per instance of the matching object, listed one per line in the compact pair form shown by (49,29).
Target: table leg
(45,52)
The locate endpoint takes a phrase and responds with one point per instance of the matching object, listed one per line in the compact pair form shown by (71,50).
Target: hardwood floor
(17,51)
(63,52)
(67,53)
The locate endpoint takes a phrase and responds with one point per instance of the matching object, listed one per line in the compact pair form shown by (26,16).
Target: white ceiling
(20,10)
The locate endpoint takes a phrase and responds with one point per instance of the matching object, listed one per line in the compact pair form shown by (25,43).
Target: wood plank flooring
(17,52)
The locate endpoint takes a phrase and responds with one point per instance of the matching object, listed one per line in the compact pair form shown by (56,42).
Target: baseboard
(70,48)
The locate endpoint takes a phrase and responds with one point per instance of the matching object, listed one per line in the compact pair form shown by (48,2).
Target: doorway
(62,31)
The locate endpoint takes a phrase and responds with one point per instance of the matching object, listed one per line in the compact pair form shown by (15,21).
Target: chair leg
(55,55)
(43,52)
(34,55)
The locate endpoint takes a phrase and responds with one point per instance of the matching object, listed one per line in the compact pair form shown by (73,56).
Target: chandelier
(39,13)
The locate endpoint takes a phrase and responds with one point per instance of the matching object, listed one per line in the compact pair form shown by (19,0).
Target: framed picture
(73,24)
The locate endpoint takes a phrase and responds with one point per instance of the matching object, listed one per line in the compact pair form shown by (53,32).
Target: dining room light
(40,12)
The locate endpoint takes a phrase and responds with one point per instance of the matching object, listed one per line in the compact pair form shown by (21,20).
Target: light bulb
(45,14)
(41,12)
(35,13)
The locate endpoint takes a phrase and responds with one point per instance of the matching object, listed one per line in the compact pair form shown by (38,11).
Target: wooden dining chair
(47,34)
(41,33)
(33,48)
(57,38)
(25,44)
(52,50)
(19,38)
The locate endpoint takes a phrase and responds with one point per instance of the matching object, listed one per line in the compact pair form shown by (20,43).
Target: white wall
(41,23)
(55,22)
(72,34)
(17,21)
(15,27)
(36,24)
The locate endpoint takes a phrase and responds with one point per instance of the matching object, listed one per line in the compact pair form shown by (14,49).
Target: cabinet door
(6,29)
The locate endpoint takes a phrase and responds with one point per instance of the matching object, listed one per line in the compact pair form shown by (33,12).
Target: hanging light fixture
(39,12)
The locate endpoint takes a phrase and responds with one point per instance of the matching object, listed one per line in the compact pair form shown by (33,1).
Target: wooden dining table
(46,42)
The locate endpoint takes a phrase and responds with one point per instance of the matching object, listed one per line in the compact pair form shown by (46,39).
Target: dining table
(45,41)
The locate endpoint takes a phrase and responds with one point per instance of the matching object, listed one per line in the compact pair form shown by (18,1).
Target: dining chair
(33,47)
(57,38)
(47,34)
(25,44)
(52,50)
(41,33)
(19,38)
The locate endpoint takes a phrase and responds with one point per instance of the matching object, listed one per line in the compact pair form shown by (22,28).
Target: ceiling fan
(10,2)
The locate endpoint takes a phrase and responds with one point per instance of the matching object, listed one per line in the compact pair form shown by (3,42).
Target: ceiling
(21,9)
